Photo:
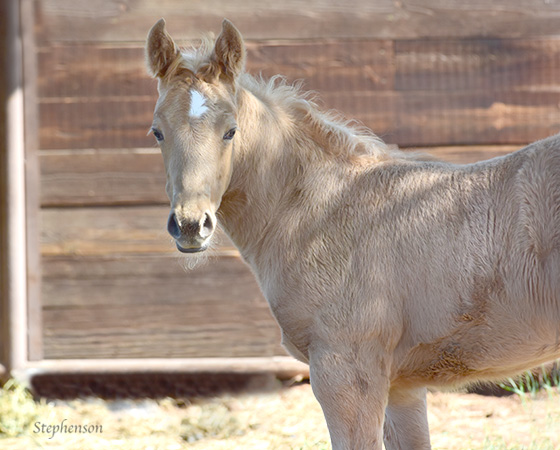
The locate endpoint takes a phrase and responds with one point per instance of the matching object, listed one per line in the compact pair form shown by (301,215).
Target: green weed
(18,410)
(531,383)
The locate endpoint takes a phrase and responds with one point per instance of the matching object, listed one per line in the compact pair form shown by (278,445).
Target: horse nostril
(208,222)
(173,227)
(207,226)
(181,228)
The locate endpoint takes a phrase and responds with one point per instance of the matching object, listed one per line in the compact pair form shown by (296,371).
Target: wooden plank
(102,177)
(93,71)
(96,123)
(240,337)
(468,154)
(424,118)
(109,20)
(73,71)
(113,231)
(432,118)
(474,117)
(79,282)
(100,96)
(86,70)
(285,367)
(478,65)
(148,306)
(325,66)
(101,231)
(500,91)
(124,123)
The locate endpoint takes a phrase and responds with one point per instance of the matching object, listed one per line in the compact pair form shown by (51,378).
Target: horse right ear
(228,57)
(161,50)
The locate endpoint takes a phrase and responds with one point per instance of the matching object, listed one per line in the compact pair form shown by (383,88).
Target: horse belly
(480,351)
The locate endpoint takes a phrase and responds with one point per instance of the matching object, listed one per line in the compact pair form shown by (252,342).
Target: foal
(385,272)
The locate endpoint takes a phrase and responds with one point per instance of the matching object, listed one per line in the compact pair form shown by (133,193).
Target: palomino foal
(385,272)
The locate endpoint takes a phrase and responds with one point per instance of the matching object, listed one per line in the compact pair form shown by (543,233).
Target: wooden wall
(483,77)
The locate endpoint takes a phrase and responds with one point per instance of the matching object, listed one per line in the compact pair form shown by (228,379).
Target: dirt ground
(284,418)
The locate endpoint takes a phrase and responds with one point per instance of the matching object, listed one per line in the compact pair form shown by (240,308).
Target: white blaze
(198,104)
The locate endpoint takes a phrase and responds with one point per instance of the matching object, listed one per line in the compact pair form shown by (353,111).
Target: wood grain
(96,123)
(102,177)
(77,71)
(326,66)
(149,306)
(468,154)
(425,118)
(98,231)
(477,65)
(85,70)
(32,179)
(284,367)
(475,118)
(113,20)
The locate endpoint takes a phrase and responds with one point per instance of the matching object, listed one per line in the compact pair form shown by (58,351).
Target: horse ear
(229,52)
(161,50)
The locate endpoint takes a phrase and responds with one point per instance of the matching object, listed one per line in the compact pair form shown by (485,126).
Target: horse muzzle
(191,236)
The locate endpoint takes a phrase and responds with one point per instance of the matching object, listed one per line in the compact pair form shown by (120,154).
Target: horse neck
(267,164)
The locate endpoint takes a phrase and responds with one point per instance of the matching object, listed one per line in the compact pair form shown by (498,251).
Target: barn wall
(419,73)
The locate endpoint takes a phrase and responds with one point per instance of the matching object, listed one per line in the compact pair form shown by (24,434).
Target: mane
(333,134)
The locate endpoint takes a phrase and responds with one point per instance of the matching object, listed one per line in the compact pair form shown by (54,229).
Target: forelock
(191,62)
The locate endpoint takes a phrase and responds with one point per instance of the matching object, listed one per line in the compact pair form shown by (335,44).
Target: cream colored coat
(386,272)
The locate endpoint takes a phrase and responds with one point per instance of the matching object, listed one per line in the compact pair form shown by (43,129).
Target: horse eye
(157,134)
(229,135)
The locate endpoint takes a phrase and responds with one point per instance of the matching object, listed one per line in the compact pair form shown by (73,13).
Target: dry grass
(283,419)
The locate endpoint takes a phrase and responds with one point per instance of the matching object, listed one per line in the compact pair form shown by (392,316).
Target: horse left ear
(161,50)
(228,57)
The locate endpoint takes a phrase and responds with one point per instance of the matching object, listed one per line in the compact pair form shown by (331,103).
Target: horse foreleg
(406,420)
(353,395)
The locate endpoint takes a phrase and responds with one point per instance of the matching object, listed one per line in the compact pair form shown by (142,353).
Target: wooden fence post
(13,313)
